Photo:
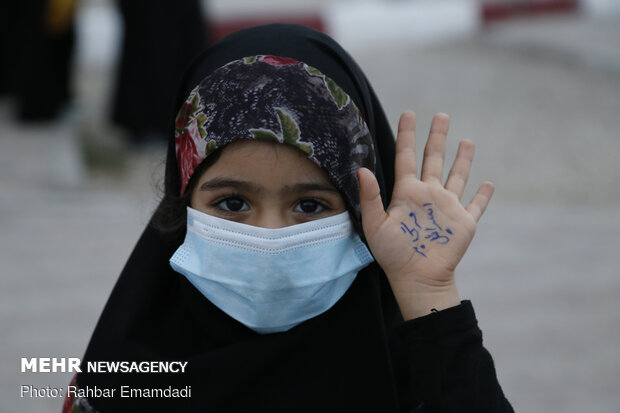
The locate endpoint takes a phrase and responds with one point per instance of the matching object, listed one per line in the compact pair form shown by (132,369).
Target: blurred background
(534,83)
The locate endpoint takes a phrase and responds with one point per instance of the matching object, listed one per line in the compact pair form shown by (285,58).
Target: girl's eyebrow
(309,186)
(218,183)
(221,182)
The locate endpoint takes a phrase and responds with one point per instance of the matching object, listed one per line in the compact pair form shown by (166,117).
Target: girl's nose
(270,219)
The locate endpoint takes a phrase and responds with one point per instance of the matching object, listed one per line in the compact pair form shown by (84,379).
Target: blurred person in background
(160,39)
(37,39)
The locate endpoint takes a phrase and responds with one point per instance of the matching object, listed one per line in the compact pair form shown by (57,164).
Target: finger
(371,205)
(435,149)
(479,202)
(405,146)
(459,173)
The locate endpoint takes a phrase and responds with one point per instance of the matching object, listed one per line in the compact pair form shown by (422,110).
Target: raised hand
(425,231)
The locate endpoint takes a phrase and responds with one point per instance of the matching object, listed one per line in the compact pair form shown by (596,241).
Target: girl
(297,261)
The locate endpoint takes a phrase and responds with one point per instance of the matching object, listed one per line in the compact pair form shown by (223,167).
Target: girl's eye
(233,205)
(309,206)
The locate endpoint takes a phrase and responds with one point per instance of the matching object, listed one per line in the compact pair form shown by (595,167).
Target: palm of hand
(425,231)
(425,234)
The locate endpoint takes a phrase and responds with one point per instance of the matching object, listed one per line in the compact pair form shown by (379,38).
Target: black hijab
(345,359)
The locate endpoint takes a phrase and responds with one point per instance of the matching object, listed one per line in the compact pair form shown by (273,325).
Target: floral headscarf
(276,99)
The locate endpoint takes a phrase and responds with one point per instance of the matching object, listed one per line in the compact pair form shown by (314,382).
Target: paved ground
(542,272)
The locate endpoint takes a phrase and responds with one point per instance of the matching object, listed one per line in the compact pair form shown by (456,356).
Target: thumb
(371,205)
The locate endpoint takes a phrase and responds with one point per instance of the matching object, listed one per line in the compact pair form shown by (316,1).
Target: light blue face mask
(271,279)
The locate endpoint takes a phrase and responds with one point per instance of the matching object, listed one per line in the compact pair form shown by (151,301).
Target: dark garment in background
(359,356)
(36,47)
(161,37)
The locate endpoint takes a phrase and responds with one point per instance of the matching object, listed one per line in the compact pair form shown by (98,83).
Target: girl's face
(265,184)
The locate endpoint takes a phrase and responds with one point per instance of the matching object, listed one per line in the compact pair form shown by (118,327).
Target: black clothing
(358,356)
(161,37)
(36,58)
